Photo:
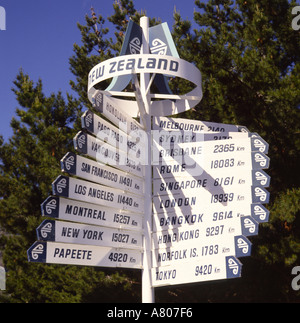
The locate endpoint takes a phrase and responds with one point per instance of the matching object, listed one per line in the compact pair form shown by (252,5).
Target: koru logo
(158,47)
(36,251)
(259,212)
(51,205)
(47,228)
(261,178)
(70,161)
(135,46)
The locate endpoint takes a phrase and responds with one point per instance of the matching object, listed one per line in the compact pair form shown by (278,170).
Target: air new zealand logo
(260,177)
(243,245)
(88,119)
(259,212)
(69,162)
(261,194)
(249,225)
(260,159)
(135,46)
(61,185)
(233,266)
(36,251)
(158,47)
(46,229)
(81,141)
(51,205)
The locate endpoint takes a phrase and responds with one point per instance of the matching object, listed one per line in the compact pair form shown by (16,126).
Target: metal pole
(147,289)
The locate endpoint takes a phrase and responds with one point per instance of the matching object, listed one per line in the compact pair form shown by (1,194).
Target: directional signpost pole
(147,286)
(177,201)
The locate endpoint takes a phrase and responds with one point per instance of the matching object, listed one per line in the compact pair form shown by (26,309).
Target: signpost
(195,198)
(67,232)
(112,135)
(107,154)
(240,246)
(209,268)
(208,149)
(165,138)
(111,109)
(201,236)
(93,193)
(76,211)
(178,201)
(233,177)
(180,217)
(188,166)
(99,173)
(84,255)
(171,124)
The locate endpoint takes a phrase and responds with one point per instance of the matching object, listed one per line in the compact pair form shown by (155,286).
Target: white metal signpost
(178,199)
(76,211)
(80,190)
(107,154)
(84,255)
(67,232)
(102,174)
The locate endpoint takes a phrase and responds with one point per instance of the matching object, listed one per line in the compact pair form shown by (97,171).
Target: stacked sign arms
(204,182)
(101,204)
(208,196)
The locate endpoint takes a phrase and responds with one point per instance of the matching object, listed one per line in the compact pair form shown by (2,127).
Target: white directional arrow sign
(238,246)
(224,196)
(212,186)
(205,233)
(115,111)
(67,232)
(209,268)
(84,255)
(99,173)
(110,134)
(171,124)
(211,181)
(206,150)
(196,167)
(170,139)
(71,210)
(93,193)
(107,154)
(189,217)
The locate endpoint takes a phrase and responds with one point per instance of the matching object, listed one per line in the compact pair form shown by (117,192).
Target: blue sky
(39,38)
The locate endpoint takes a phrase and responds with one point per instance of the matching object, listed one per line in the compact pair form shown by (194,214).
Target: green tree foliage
(249,58)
